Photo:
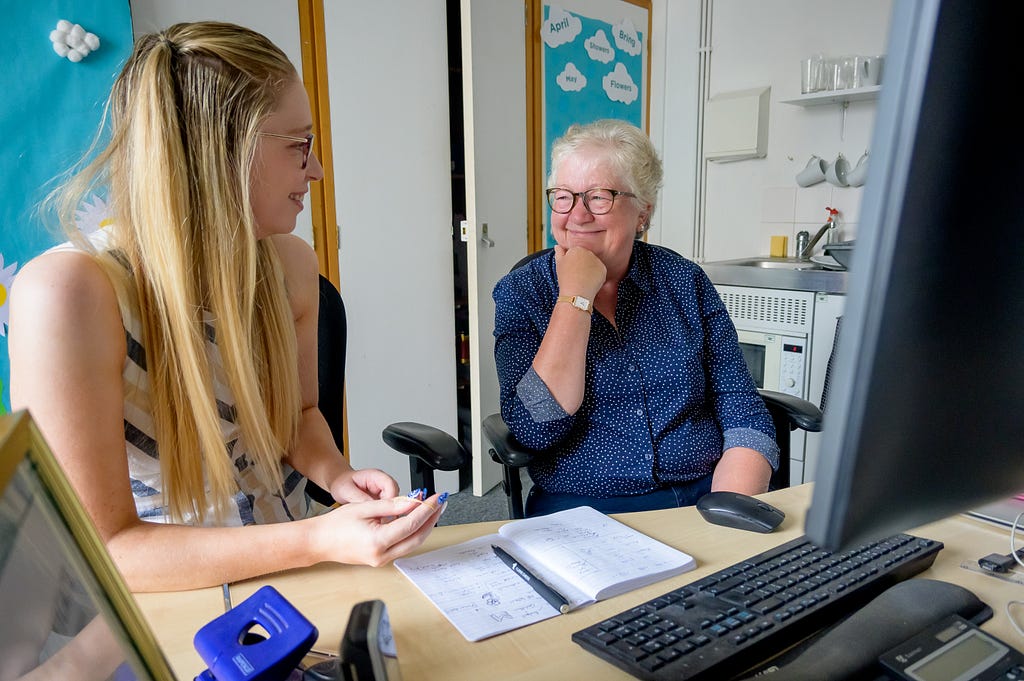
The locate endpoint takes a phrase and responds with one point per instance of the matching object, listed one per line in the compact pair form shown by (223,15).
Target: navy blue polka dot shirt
(665,394)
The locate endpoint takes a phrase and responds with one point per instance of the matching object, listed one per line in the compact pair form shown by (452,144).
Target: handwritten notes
(581,553)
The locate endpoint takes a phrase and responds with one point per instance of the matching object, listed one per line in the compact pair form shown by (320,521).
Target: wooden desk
(430,648)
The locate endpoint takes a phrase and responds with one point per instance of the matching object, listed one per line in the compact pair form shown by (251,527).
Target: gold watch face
(581,302)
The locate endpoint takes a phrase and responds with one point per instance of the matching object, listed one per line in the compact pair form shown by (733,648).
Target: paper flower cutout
(6,279)
(92,214)
(72,41)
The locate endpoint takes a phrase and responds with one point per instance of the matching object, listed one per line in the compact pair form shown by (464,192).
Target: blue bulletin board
(52,107)
(595,64)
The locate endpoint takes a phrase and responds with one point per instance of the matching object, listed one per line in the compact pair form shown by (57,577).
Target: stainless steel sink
(778,264)
(778,273)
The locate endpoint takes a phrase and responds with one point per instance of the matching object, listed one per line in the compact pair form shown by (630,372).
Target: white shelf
(835,96)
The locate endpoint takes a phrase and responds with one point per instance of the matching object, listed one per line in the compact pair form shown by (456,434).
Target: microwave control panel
(792,365)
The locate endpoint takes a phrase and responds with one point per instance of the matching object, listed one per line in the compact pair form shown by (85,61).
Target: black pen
(555,599)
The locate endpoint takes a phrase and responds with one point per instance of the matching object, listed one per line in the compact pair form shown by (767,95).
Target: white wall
(388,78)
(761,43)
(675,38)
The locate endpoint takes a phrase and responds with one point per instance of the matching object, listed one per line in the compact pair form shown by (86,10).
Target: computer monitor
(926,404)
(66,611)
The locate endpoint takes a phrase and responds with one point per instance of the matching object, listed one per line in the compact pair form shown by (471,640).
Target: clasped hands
(378,525)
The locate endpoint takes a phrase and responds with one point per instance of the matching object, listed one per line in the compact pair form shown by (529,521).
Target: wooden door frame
(313,38)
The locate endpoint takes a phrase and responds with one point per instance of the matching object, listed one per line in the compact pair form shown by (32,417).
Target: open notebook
(67,613)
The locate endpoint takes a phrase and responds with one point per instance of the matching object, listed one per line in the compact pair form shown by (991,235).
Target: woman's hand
(579,272)
(374,532)
(365,484)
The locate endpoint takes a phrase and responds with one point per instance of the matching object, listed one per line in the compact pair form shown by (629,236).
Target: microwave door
(761,352)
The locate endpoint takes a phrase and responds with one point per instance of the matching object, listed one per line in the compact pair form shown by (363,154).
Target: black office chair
(788,413)
(429,448)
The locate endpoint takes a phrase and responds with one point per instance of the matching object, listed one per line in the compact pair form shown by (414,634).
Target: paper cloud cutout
(570,79)
(72,41)
(561,27)
(598,47)
(626,38)
(619,85)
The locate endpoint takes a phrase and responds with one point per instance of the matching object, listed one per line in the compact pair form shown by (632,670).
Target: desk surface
(429,647)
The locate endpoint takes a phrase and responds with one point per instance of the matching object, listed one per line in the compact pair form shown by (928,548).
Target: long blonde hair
(184,115)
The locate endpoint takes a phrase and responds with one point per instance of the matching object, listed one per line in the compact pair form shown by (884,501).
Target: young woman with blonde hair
(170,360)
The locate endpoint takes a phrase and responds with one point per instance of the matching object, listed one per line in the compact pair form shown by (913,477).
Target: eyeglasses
(307,144)
(598,200)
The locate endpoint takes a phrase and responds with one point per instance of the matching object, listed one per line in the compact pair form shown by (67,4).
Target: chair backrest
(332,339)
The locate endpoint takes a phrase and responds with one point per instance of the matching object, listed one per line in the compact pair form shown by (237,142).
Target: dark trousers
(539,502)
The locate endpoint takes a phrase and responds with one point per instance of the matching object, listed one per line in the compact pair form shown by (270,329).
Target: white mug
(836,171)
(813,172)
(871,70)
(859,174)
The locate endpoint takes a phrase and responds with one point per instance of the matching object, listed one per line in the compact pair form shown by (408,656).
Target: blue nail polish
(443,498)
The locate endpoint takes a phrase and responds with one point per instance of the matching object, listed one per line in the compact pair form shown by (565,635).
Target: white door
(494,94)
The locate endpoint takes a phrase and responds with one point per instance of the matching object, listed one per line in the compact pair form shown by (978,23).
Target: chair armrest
(434,447)
(801,413)
(506,449)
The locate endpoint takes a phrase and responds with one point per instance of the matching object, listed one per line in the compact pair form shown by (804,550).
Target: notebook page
(584,549)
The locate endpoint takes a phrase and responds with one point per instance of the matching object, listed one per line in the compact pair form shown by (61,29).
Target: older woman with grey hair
(617,359)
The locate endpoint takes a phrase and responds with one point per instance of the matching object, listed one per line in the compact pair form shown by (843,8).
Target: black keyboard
(739,617)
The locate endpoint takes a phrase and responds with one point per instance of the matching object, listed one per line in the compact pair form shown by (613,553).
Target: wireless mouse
(732,509)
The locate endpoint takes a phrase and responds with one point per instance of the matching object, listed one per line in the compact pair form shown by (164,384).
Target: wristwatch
(579,302)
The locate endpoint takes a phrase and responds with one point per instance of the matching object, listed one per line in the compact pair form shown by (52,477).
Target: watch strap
(579,302)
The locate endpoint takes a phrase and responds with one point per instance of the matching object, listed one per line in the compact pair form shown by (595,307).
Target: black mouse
(740,511)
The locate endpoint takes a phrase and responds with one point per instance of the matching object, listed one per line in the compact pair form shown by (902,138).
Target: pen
(227,596)
(555,599)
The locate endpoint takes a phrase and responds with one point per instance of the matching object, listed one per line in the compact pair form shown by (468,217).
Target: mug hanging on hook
(859,174)
(813,172)
(836,172)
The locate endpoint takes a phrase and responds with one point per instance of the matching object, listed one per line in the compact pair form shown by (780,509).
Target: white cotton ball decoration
(72,41)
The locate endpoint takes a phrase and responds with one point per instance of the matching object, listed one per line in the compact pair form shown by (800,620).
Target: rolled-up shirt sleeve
(522,310)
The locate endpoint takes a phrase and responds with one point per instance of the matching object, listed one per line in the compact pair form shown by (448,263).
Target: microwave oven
(776,361)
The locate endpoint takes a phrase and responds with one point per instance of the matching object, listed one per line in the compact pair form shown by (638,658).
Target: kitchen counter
(776,273)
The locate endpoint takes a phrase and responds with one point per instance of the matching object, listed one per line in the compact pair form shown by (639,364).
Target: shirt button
(632,367)
(648,457)
(639,412)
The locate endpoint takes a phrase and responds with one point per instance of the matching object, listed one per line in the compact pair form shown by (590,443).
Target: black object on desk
(554,599)
(954,648)
(368,650)
(739,511)
(738,618)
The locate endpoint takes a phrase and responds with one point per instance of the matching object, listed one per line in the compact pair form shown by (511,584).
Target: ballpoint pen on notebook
(555,599)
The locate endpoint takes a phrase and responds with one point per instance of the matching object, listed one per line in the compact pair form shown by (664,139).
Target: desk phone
(954,649)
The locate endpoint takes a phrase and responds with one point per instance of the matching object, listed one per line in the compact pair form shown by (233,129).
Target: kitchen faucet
(830,223)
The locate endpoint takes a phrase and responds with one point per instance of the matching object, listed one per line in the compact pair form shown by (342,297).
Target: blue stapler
(231,653)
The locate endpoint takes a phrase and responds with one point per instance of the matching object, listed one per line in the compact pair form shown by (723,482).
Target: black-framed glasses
(307,143)
(597,200)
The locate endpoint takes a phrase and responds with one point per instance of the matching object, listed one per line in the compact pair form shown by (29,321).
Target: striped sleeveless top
(252,503)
